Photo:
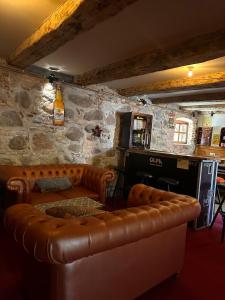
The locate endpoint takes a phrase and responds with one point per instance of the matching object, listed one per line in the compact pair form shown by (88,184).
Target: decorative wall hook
(52,78)
(142,101)
(96,131)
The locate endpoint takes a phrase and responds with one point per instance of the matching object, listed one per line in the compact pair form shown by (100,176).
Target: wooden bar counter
(196,176)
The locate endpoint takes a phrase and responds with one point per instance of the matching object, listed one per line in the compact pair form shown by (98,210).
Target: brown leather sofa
(87,180)
(114,255)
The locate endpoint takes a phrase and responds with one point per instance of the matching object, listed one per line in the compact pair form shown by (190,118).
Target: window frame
(181,132)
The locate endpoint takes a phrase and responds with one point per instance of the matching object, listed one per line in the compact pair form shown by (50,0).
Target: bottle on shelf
(135,130)
(58,107)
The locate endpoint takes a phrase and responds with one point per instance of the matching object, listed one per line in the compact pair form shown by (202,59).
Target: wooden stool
(144,177)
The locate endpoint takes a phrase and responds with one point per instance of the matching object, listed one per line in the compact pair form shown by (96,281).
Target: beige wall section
(20,18)
(206,120)
(27,135)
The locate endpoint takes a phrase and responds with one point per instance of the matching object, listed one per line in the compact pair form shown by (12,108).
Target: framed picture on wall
(215,142)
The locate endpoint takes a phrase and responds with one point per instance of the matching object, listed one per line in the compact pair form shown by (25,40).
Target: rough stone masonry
(28,137)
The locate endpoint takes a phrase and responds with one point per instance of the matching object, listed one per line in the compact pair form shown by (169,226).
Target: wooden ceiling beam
(203,106)
(195,50)
(213,80)
(69,20)
(188,98)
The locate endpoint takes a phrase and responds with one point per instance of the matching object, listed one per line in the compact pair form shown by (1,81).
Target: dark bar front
(195,175)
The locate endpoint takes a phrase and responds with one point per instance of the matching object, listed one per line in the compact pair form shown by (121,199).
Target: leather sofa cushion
(74,192)
(72,211)
(46,185)
(79,191)
(37,197)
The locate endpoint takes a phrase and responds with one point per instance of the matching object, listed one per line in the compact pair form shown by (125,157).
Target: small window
(181,132)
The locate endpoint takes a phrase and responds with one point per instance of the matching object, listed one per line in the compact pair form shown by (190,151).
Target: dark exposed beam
(187,98)
(70,19)
(213,80)
(195,50)
(196,107)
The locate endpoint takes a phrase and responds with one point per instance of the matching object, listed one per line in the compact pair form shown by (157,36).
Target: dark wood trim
(194,50)
(204,106)
(213,80)
(187,98)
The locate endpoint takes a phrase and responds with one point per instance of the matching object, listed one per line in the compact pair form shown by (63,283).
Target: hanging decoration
(97,131)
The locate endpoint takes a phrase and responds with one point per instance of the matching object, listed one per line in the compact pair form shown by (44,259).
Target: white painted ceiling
(143,25)
(20,18)
(213,106)
(203,103)
(194,105)
(186,92)
(206,109)
(211,66)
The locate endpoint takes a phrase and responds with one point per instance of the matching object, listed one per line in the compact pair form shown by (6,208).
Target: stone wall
(28,137)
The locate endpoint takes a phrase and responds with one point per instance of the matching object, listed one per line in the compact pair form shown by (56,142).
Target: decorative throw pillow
(80,201)
(68,211)
(53,184)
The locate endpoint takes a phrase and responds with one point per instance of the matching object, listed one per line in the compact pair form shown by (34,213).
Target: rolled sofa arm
(20,186)
(96,179)
(141,194)
(55,240)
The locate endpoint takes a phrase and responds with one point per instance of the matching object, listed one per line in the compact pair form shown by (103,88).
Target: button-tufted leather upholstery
(148,236)
(87,181)
(141,194)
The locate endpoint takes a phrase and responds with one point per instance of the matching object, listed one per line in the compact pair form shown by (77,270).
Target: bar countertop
(173,155)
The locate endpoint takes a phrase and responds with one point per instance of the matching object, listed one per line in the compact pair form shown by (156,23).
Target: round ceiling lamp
(190,71)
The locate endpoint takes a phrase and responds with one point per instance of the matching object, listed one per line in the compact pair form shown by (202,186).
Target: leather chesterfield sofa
(19,182)
(115,255)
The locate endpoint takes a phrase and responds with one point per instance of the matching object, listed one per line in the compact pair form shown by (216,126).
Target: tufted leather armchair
(87,180)
(113,255)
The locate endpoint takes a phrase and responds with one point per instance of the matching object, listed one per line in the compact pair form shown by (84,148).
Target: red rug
(203,274)
(202,277)
(11,268)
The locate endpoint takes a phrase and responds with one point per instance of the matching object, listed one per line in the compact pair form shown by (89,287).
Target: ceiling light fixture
(51,77)
(54,69)
(190,71)
(142,102)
